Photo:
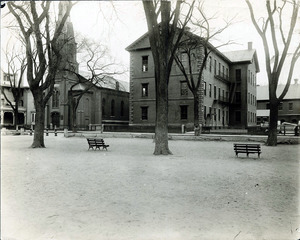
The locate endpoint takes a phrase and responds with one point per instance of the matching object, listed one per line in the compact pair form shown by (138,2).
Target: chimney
(249,45)
(296,81)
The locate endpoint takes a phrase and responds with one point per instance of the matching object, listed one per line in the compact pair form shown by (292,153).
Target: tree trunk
(74,119)
(38,139)
(16,113)
(196,114)
(272,132)
(161,126)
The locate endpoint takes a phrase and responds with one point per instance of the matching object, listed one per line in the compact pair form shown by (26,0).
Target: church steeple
(67,41)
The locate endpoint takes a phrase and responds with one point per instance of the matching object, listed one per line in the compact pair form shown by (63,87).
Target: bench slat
(97,143)
(247,148)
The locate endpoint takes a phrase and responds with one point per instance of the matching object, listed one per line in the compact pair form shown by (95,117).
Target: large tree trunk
(161,126)
(38,139)
(272,132)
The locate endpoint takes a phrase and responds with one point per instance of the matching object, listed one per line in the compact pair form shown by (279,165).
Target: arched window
(112,108)
(55,98)
(87,107)
(21,103)
(103,107)
(122,108)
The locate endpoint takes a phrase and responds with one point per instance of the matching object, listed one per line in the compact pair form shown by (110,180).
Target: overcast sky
(120,23)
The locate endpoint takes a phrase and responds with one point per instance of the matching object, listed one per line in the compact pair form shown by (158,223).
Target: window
(238,116)
(144,113)
(144,89)
(219,114)
(122,109)
(215,66)
(227,73)
(103,107)
(280,106)
(219,69)
(209,90)
(204,88)
(223,71)
(21,103)
(32,117)
(210,63)
(219,92)
(215,92)
(238,75)
(183,88)
(184,112)
(290,106)
(112,108)
(268,106)
(204,113)
(144,63)
(55,98)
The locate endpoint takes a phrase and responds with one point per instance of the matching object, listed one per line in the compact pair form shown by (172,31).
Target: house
(288,109)
(228,92)
(8,118)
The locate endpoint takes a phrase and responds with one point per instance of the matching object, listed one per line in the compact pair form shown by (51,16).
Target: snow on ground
(202,191)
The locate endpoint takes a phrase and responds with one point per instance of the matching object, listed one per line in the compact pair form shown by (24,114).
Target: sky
(119,23)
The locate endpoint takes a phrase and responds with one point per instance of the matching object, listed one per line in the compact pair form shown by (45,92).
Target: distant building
(289,108)
(228,91)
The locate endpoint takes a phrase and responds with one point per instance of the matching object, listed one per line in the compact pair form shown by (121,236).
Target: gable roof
(239,56)
(104,82)
(141,43)
(243,56)
(293,92)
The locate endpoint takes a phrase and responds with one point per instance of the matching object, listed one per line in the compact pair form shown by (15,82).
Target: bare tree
(35,26)
(193,54)
(16,66)
(277,40)
(98,65)
(164,37)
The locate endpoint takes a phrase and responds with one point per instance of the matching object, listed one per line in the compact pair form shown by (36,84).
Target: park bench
(247,148)
(95,143)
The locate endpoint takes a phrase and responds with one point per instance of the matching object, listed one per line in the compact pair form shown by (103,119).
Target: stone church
(107,102)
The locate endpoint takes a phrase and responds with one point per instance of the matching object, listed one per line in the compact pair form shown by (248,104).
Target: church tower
(57,110)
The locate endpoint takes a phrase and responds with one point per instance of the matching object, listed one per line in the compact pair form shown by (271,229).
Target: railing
(223,77)
(222,99)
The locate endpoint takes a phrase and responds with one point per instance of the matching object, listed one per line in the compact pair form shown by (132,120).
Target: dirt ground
(202,191)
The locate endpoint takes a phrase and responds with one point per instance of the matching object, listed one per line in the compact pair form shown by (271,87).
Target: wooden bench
(95,143)
(247,148)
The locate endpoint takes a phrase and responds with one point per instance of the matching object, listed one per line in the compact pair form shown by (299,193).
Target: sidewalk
(188,136)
